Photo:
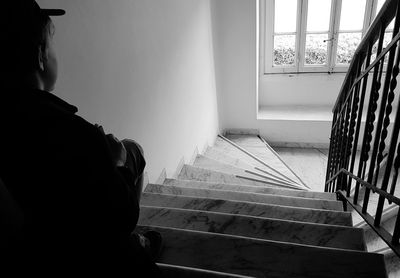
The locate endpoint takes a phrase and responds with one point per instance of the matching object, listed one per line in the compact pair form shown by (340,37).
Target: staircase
(239,211)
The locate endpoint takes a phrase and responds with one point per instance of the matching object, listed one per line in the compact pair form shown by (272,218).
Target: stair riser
(247,197)
(206,175)
(207,163)
(253,227)
(251,189)
(246,208)
(261,258)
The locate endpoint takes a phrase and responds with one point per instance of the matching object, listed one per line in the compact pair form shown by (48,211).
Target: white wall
(316,89)
(144,69)
(234,26)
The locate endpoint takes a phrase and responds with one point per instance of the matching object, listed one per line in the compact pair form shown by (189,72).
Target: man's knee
(133,145)
(135,160)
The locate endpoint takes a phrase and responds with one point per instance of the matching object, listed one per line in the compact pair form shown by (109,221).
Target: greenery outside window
(313,35)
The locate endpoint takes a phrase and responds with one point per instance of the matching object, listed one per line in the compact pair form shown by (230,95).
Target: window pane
(285,15)
(352,15)
(347,45)
(316,49)
(284,50)
(318,15)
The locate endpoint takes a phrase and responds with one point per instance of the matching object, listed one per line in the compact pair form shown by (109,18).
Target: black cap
(49,12)
(27,10)
(22,22)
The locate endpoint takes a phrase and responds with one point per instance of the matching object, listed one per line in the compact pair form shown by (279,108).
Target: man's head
(30,31)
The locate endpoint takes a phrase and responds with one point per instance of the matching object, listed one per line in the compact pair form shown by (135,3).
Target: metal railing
(363,120)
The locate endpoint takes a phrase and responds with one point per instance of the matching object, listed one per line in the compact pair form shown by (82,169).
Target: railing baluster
(330,154)
(341,133)
(391,79)
(390,84)
(335,151)
(345,140)
(392,72)
(369,124)
(354,111)
(396,166)
(359,116)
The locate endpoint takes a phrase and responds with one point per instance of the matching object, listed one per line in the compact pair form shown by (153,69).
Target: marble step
(263,258)
(228,149)
(247,208)
(176,271)
(255,227)
(205,162)
(267,150)
(373,200)
(251,189)
(392,264)
(189,172)
(244,139)
(214,153)
(247,197)
(261,152)
(374,242)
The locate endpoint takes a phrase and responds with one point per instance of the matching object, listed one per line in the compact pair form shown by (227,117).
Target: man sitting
(78,188)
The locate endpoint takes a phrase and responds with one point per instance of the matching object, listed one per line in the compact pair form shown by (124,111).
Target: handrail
(375,189)
(371,84)
(383,233)
(388,10)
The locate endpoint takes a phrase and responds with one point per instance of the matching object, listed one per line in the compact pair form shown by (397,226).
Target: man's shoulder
(75,129)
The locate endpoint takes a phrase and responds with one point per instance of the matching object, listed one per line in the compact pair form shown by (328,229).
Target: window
(314,35)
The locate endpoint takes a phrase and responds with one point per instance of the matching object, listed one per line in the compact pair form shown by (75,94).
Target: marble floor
(308,163)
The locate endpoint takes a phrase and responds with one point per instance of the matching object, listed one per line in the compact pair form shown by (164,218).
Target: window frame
(267,20)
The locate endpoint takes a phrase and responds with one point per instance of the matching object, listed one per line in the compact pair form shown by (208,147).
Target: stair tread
(244,196)
(263,258)
(255,227)
(251,189)
(205,162)
(218,155)
(248,208)
(189,172)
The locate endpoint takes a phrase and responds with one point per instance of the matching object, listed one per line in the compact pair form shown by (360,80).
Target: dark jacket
(78,209)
